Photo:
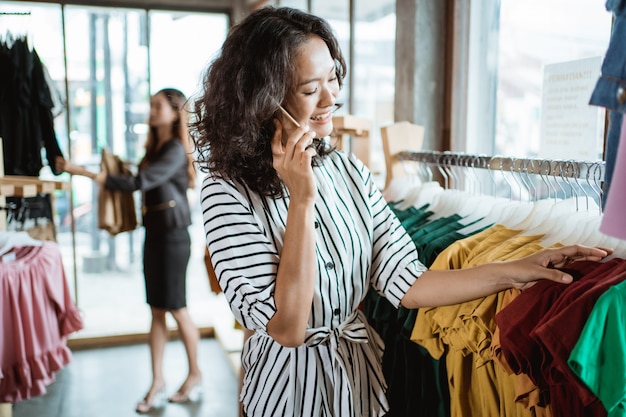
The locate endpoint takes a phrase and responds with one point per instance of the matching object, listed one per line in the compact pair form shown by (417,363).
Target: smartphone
(290,117)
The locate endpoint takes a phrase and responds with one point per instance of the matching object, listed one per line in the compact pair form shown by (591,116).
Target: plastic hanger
(422,193)
(10,240)
(494,209)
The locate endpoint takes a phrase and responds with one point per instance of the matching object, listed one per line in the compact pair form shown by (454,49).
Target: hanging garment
(558,332)
(610,90)
(540,327)
(464,332)
(116,208)
(466,337)
(26,105)
(614,221)
(33,215)
(416,381)
(526,392)
(599,356)
(37,315)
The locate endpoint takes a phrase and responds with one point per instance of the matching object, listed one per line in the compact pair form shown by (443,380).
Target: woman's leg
(190,337)
(156,340)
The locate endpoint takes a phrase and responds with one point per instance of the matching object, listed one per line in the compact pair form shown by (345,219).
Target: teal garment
(417,383)
(434,237)
(599,356)
(411,213)
(415,223)
(436,228)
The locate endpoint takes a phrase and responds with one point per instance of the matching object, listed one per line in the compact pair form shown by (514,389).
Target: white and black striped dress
(337,372)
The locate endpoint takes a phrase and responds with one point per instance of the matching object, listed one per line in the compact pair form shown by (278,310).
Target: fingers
(59,163)
(546,264)
(296,145)
(567,254)
(561,257)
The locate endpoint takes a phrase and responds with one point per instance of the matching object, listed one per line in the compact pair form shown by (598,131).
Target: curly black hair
(242,89)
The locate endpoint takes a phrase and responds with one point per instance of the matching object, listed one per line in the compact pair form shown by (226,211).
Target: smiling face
(313,97)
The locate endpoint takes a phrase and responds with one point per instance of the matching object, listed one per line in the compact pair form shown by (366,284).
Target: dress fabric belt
(348,358)
(159,207)
(352,329)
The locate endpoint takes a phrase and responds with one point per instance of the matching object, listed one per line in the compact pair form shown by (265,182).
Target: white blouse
(360,242)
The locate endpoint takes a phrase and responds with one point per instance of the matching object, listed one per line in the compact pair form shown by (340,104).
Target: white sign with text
(570,127)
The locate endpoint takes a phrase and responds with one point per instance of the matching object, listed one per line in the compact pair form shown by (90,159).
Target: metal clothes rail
(588,170)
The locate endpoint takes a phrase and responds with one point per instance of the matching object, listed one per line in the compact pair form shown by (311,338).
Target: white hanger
(423,192)
(579,222)
(10,240)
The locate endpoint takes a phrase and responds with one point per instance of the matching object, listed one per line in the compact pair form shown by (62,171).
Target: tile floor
(108,383)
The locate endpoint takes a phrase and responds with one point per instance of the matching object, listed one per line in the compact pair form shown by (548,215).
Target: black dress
(166,216)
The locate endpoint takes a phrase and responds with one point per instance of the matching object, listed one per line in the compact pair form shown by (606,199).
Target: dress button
(621,95)
(317,224)
(330,265)
(336,312)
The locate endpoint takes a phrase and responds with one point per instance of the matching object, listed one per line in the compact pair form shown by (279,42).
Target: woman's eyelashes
(331,81)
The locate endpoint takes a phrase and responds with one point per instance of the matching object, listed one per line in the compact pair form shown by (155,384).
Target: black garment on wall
(26,110)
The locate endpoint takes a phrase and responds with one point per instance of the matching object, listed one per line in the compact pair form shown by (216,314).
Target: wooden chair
(398,137)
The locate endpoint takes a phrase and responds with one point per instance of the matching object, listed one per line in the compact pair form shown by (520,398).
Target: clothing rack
(574,169)
(535,222)
(20,186)
(535,178)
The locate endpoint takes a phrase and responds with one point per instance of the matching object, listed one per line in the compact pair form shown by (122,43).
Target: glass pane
(296,4)
(108,104)
(515,47)
(127,55)
(177,60)
(182,44)
(374,72)
(371,75)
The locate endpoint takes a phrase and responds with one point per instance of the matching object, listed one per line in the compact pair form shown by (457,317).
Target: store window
(182,44)
(296,4)
(114,58)
(515,50)
(373,72)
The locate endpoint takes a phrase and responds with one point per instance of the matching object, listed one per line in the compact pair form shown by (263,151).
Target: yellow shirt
(478,385)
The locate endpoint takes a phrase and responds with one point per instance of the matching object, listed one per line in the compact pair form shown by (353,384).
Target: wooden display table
(359,130)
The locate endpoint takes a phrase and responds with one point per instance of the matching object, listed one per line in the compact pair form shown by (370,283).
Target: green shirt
(599,356)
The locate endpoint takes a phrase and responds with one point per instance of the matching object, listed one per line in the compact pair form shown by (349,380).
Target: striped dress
(360,242)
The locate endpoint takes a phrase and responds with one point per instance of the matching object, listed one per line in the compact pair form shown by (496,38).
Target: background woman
(165,173)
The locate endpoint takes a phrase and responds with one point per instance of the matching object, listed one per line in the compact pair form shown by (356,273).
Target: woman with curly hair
(298,231)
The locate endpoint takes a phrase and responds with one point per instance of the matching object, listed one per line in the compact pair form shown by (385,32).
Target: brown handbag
(116,209)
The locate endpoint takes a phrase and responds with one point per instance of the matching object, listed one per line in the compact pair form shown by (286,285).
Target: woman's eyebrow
(308,81)
(311,80)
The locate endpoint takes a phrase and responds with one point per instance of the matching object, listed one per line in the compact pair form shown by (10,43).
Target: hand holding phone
(295,123)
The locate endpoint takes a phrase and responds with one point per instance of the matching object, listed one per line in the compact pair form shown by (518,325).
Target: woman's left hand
(545,263)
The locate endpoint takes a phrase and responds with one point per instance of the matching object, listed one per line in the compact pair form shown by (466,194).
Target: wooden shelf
(22,186)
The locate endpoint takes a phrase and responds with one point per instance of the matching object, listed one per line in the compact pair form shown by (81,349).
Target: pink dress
(37,315)
(613,220)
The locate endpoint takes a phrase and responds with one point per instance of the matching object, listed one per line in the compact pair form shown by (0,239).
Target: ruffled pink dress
(37,315)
